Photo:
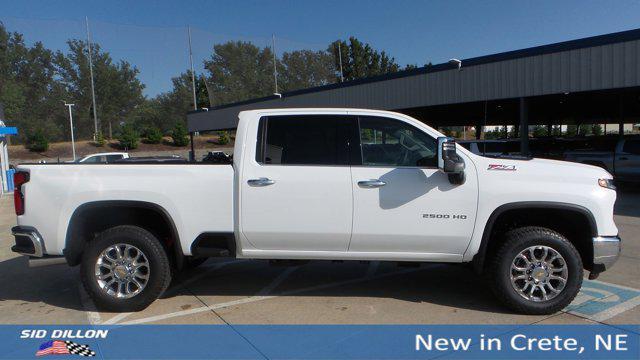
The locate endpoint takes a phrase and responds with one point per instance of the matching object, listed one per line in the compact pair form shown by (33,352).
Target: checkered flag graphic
(78,349)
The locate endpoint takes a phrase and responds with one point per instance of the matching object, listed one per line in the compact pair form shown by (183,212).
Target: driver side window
(393,143)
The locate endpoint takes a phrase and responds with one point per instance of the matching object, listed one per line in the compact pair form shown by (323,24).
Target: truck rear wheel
(125,269)
(536,271)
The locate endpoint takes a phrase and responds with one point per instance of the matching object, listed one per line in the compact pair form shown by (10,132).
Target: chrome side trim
(606,250)
(36,240)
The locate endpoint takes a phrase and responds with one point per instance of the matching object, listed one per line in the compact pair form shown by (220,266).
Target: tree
(360,60)
(153,135)
(539,131)
(118,90)
(238,71)
(223,138)
(179,134)
(557,130)
(128,137)
(596,129)
(37,141)
(100,141)
(29,89)
(305,68)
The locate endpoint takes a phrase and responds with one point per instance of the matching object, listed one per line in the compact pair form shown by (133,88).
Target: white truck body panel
(198,198)
(319,212)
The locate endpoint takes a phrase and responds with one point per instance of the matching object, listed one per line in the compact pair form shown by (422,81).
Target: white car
(102,158)
(331,184)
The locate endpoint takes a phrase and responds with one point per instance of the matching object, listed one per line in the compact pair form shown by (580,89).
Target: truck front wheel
(125,269)
(536,271)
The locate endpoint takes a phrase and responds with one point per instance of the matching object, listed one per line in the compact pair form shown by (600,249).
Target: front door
(402,202)
(296,193)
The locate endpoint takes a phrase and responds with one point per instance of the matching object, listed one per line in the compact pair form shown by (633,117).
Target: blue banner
(322,341)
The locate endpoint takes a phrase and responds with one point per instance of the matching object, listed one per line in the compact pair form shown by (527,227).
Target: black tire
(159,275)
(518,240)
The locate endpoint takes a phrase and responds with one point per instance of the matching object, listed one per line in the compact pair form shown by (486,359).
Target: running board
(46,261)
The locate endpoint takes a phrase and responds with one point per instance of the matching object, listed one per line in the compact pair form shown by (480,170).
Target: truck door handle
(261,182)
(373,183)
(623,158)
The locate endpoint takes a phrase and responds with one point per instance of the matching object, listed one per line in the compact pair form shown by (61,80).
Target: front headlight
(607,183)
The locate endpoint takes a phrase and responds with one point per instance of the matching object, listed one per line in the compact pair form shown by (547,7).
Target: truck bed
(198,197)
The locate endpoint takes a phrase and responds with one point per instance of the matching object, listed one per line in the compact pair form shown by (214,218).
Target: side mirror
(448,160)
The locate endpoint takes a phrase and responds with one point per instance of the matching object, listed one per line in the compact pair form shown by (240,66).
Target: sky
(152,34)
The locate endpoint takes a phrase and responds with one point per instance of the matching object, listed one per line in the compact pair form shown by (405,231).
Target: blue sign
(8,130)
(322,341)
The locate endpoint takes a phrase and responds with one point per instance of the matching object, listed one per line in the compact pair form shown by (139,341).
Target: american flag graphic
(59,347)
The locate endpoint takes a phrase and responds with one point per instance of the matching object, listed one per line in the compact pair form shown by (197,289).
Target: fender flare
(74,246)
(480,257)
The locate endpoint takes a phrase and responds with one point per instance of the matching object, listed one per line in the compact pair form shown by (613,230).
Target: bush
(100,141)
(128,137)
(223,137)
(179,135)
(37,141)
(154,135)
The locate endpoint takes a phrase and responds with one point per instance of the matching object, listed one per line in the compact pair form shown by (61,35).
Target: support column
(192,153)
(524,126)
(621,114)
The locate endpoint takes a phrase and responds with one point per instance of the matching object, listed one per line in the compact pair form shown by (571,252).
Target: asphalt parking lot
(252,292)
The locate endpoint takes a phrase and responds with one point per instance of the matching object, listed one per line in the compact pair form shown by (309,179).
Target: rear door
(296,191)
(628,161)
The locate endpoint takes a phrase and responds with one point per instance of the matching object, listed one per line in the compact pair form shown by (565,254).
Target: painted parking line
(599,301)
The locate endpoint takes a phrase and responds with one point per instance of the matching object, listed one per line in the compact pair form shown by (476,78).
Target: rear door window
(304,140)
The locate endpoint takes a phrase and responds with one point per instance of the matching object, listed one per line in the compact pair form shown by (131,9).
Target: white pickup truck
(327,184)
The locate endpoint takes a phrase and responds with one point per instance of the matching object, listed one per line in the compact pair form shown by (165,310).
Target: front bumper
(606,250)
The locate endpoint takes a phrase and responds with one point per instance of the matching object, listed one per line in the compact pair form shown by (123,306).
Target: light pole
(73,144)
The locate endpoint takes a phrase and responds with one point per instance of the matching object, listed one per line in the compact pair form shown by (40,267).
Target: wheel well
(573,222)
(91,219)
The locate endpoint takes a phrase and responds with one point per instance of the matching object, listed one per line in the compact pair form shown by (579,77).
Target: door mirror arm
(449,162)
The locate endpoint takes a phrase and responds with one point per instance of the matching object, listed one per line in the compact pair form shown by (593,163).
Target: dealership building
(585,81)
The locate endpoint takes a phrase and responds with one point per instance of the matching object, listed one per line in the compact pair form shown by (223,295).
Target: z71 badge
(501,167)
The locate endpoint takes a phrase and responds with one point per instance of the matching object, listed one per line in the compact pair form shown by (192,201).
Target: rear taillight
(19,178)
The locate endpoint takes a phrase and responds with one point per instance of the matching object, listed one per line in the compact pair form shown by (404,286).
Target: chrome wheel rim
(122,271)
(539,273)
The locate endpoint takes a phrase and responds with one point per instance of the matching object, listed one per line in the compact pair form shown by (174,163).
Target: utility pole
(275,70)
(193,73)
(73,143)
(340,60)
(93,89)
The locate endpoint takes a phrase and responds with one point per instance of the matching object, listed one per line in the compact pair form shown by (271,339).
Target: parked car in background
(217,157)
(102,158)
(619,156)
(170,159)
